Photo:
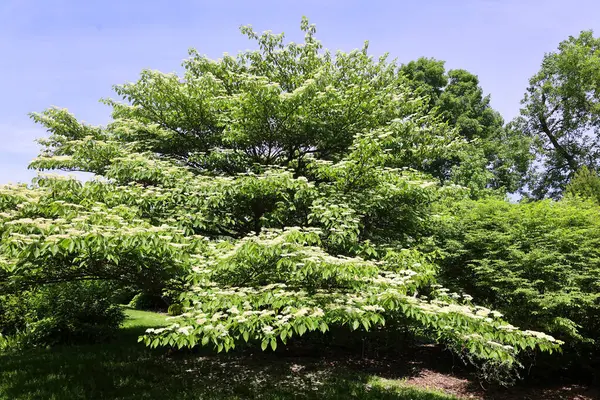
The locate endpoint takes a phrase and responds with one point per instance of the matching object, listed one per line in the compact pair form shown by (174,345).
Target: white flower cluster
(540,335)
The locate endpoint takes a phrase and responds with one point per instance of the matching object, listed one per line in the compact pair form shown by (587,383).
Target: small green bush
(75,312)
(147,301)
(175,309)
(12,314)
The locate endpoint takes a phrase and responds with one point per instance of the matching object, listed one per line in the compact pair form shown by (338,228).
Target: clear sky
(69,53)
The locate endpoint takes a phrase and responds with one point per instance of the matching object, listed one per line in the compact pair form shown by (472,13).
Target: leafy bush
(12,314)
(175,309)
(538,263)
(73,312)
(147,301)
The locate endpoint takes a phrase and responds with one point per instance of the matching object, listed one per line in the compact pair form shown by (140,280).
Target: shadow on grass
(127,370)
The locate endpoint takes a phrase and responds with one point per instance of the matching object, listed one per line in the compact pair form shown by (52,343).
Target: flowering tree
(277,191)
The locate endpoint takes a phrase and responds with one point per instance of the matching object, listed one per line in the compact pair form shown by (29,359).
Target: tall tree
(495,156)
(561,113)
(278,185)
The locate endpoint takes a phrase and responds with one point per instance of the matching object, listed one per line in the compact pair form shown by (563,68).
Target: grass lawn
(125,369)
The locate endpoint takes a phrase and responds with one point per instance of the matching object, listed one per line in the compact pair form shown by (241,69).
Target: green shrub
(74,312)
(12,314)
(175,309)
(147,301)
(538,263)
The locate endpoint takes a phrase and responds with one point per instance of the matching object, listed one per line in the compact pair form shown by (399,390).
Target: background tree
(495,156)
(561,112)
(585,183)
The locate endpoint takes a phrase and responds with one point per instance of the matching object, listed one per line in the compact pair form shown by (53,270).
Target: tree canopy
(280,191)
(561,110)
(493,155)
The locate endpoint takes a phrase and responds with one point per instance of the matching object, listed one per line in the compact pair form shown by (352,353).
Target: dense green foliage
(493,156)
(561,113)
(279,192)
(175,309)
(537,262)
(73,312)
(586,184)
(147,301)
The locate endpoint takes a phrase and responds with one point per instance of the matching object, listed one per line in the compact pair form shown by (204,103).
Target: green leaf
(301,329)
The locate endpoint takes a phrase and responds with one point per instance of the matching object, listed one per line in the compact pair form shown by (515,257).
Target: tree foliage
(585,183)
(279,192)
(493,156)
(561,110)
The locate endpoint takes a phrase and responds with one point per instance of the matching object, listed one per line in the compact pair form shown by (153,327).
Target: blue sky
(69,53)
